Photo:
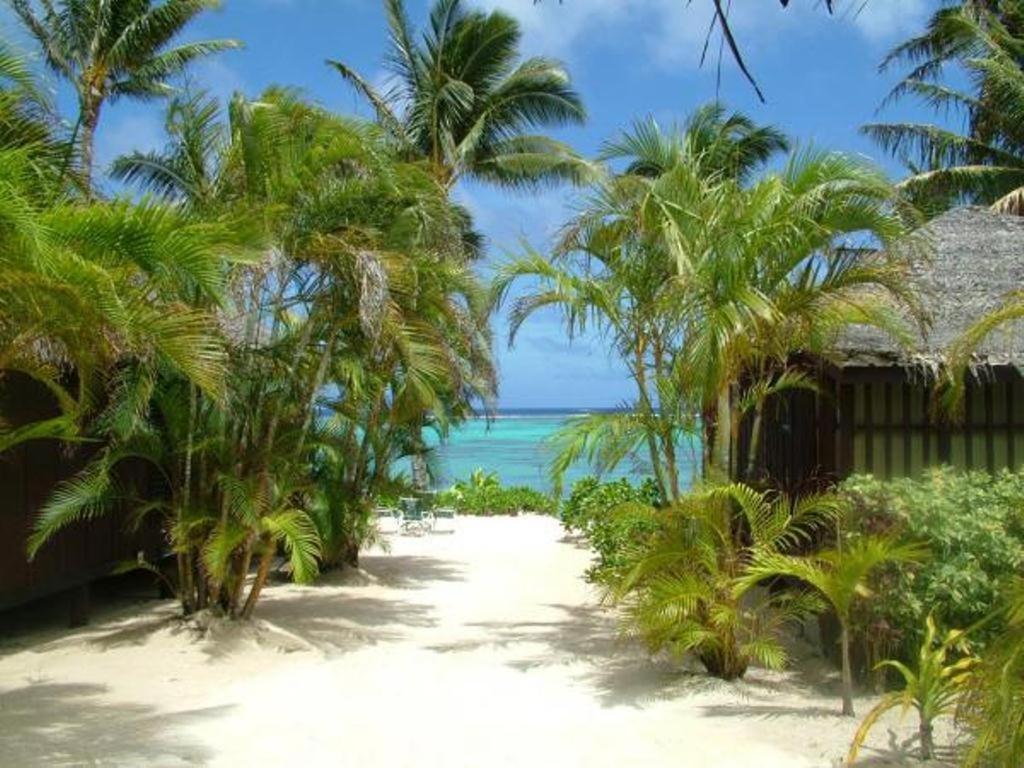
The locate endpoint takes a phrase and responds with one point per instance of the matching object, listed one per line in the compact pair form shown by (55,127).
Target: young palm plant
(684,591)
(840,576)
(993,704)
(933,687)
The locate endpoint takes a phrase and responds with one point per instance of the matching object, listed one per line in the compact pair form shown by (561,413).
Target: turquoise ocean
(514,443)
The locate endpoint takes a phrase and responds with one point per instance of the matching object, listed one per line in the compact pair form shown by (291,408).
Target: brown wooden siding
(28,475)
(894,429)
(884,421)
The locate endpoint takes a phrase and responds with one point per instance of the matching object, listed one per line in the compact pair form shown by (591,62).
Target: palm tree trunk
(640,377)
(314,387)
(245,563)
(844,641)
(262,573)
(927,738)
(90,118)
(753,449)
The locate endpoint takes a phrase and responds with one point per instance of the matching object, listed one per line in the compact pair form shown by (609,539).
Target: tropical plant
(985,163)
(589,499)
(609,272)
(687,588)
(461,99)
(112,49)
(933,686)
(485,495)
(187,169)
(709,288)
(992,707)
(840,576)
(360,312)
(974,556)
(102,291)
(479,479)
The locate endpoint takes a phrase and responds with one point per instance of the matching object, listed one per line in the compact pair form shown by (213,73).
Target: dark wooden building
(29,473)
(875,410)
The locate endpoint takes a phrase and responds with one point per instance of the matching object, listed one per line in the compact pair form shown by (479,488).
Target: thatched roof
(977,259)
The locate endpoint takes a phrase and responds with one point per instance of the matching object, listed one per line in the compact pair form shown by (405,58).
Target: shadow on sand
(64,725)
(620,672)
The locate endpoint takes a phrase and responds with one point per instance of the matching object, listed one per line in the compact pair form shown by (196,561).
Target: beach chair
(413,519)
(444,513)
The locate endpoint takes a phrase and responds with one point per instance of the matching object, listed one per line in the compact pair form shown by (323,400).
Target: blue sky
(628,58)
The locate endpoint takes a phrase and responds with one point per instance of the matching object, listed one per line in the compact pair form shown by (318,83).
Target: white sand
(483,648)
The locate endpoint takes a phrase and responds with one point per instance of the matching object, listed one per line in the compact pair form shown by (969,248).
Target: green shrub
(492,498)
(613,516)
(974,525)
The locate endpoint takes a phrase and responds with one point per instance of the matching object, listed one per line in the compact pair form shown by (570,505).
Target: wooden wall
(797,435)
(28,475)
(891,427)
(884,421)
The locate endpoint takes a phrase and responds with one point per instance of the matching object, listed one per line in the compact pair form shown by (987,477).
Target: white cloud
(219,78)
(672,32)
(888,20)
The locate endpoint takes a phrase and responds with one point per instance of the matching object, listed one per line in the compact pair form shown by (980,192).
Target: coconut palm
(113,49)
(463,101)
(985,163)
(186,170)
(838,575)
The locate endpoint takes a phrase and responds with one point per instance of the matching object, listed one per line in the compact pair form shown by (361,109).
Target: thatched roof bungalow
(875,411)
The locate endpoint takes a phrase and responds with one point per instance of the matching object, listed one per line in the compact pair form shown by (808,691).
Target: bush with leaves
(974,525)
(613,516)
(590,500)
(689,587)
(484,495)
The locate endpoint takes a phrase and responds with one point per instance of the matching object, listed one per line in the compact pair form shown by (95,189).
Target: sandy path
(481,648)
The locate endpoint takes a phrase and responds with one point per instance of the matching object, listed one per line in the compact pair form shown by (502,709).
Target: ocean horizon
(515,444)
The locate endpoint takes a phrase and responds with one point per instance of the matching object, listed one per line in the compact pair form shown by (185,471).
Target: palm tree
(933,686)
(731,145)
(609,271)
(463,102)
(681,593)
(186,170)
(774,269)
(994,700)
(985,163)
(361,312)
(838,575)
(708,286)
(112,49)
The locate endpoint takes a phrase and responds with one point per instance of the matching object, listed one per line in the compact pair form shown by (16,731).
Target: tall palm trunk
(847,680)
(640,376)
(90,117)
